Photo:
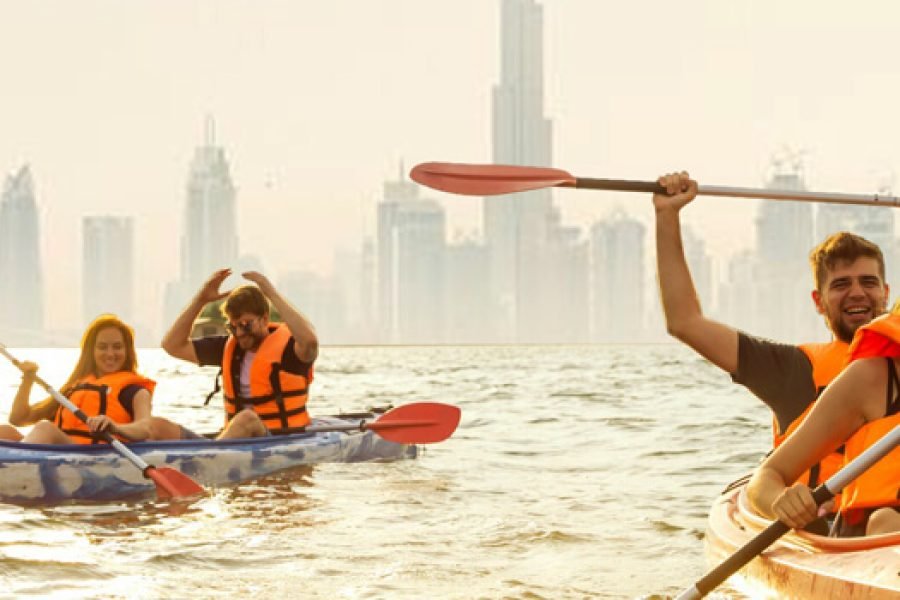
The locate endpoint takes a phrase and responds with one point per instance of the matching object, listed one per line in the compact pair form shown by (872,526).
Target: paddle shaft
(364,425)
(625,185)
(769,535)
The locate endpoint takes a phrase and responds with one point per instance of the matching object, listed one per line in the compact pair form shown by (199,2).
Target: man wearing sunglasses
(266,368)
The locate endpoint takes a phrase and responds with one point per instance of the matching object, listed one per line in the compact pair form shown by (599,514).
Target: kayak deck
(802,564)
(49,473)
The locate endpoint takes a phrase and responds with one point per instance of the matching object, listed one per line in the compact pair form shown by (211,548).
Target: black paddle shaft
(619,185)
(752,549)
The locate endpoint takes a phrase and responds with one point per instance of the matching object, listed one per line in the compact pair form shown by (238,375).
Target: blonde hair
(86,364)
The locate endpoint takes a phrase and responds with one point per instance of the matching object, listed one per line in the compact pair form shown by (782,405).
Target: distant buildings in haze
(107,267)
(21,271)
(528,278)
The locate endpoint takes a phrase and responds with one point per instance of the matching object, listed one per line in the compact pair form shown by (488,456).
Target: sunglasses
(235,328)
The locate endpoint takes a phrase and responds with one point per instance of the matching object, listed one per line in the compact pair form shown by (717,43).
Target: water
(576,472)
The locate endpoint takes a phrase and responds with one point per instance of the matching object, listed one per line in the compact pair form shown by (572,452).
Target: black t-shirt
(210,351)
(126,397)
(780,375)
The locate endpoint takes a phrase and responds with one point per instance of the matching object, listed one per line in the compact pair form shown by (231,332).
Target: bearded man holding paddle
(266,368)
(849,292)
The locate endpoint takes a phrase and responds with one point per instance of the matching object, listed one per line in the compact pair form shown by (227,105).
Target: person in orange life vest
(849,292)
(860,406)
(104,384)
(266,369)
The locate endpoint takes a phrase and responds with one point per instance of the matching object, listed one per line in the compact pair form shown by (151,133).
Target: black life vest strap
(275,381)
(283,414)
(892,402)
(254,400)
(217,387)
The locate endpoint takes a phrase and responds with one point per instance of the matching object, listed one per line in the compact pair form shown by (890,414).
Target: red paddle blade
(419,423)
(173,484)
(488,180)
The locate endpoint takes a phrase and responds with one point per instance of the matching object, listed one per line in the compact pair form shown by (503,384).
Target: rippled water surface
(576,472)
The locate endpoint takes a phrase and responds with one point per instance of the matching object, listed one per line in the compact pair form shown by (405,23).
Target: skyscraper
(518,228)
(784,237)
(209,240)
(411,266)
(107,267)
(210,237)
(617,287)
(22,292)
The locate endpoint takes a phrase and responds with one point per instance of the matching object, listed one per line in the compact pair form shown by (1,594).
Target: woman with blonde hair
(104,384)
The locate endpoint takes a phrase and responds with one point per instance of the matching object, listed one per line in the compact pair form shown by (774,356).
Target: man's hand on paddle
(681,189)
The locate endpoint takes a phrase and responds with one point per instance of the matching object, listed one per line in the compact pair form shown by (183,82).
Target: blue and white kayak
(50,473)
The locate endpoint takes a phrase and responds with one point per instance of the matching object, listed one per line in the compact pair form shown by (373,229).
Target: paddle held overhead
(491,180)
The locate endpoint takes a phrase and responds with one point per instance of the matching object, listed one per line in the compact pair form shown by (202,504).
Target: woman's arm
(850,401)
(137,430)
(23,413)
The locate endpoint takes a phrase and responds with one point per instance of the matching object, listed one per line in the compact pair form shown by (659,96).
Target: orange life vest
(827,362)
(277,396)
(99,396)
(880,484)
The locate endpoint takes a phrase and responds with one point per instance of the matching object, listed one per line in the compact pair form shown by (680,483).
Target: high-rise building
(467,293)
(22,292)
(701,267)
(209,240)
(739,302)
(107,267)
(318,299)
(518,228)
(784,238)
(617,283)
(210,235)
(571,259)
(411,266)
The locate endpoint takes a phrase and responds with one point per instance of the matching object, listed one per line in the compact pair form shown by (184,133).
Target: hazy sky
(318,102)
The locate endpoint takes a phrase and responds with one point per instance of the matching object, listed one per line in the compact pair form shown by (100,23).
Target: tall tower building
(411,266)
(22,292)
(518,227)
(209,240)
(617,287)
(107,276)
(784,238)
(701,267)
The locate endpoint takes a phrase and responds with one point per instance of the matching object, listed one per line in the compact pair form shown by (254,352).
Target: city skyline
(316,113)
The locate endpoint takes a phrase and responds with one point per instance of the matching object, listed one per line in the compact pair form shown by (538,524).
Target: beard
(250,342)
(845,331)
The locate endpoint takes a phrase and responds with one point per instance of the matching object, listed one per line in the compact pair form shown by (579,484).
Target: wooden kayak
(802,564)
(49,474)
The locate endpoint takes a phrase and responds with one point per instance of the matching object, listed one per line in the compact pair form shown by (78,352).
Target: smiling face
(110,351)
(852,294)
